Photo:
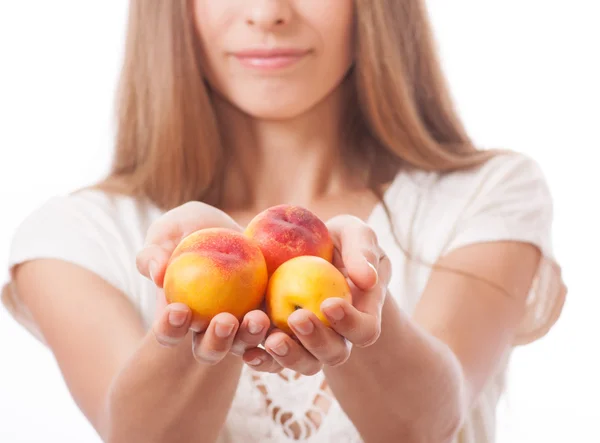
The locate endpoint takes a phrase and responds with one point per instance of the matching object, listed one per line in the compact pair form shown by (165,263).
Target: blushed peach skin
(216,270)
(285,231)
(303,283)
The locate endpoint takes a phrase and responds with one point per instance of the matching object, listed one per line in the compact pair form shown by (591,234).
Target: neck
(295,161)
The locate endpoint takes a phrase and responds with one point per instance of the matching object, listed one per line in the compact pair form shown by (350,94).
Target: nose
(268,14)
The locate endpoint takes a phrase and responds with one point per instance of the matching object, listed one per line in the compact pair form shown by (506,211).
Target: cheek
(336,29)
(334,24)
(212,19)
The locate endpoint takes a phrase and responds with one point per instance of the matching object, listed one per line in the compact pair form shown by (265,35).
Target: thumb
(152,263)
(161,303)
(172,322)
(362,267)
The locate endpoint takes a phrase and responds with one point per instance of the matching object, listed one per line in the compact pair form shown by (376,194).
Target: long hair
(400,113)
(168,144)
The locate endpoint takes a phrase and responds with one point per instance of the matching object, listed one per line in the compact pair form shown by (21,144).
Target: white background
(525,75)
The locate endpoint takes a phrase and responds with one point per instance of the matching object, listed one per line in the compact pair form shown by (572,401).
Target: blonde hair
(168,144)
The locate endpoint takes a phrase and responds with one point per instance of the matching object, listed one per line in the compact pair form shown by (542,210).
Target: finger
(261,360)
(325,344)
(161,303)
(290,354)
(384,271)
(181,221)
(251,333)
(152,261)
(358,246)
(197,324)
(360,328)
(167,231)
(214,344)
(338,262)
(172,324)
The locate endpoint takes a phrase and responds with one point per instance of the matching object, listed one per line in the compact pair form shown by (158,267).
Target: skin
(419,375)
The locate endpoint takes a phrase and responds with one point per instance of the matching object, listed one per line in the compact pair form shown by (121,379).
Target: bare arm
(133,385)
(419,376)
(423,374)
(129,386)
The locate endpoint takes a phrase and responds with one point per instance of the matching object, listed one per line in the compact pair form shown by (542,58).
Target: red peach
(285,231)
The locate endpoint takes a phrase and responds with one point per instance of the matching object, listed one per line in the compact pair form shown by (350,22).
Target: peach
(285,231)
(303,283)
(216,270)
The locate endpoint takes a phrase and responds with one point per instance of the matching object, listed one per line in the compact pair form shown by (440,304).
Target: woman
(227,108)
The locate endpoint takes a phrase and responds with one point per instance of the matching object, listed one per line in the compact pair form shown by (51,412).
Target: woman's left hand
(358,255)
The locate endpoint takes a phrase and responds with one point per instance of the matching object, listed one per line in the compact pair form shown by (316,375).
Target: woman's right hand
(224,334)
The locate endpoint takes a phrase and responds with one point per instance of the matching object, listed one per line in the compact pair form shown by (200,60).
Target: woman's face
(275,59)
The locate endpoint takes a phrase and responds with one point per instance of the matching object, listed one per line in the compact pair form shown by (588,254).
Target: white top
(506,199)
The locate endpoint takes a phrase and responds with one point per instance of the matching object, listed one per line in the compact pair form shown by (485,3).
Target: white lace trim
(286,407)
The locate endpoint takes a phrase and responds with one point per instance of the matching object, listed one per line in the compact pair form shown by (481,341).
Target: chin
(274,106)
(273,111)
(274,100)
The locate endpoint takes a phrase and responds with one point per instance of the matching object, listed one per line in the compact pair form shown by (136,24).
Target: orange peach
(216,270)
(285,231)
(303,283)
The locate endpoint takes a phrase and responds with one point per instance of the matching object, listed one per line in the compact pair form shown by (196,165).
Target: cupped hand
(368,270)
(224,334)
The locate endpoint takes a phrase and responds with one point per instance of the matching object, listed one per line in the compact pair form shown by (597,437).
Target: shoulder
(90,228)
(92,203)
(511,181)
(506,169)
(511,171)
(506,198)
(94,212)
(94,230)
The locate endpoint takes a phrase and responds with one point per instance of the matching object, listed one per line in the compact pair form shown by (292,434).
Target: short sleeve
(68,228)
(510,200)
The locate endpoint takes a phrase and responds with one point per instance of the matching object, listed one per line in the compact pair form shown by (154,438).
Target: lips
(270,58)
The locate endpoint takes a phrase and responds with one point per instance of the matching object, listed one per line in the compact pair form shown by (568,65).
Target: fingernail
(224,330)
(304,326)
(281,349)
(152,269)
(254,328)
(177,316)
(335,312)
(257,361)
(374,271)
